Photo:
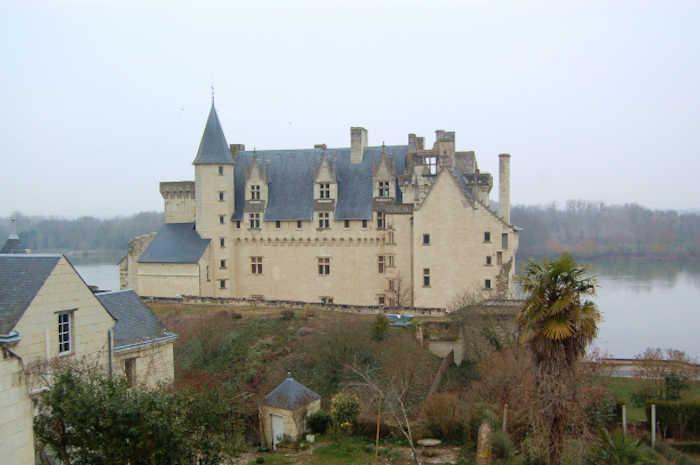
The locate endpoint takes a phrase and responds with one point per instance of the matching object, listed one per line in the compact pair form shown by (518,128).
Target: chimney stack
(504,186)
(358,142)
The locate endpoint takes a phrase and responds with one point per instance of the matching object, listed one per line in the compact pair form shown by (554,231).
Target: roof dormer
(256,182)
(325,181)
(383,178)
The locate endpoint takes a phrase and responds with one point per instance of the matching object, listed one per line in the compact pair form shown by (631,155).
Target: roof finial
(212,94)
(13,229)
(289,375)
(383,148)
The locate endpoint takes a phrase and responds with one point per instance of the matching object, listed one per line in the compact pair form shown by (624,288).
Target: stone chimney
(358,142)
(320,146)
(13,229)
(235,149)
(504,186)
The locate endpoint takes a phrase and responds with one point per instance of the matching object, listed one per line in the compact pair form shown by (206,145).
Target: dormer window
(324,190)
(432,164)
(384,189)
(381,220)
(324,221)
(255,192)
(254,220)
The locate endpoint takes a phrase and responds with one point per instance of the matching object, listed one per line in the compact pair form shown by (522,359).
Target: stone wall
(294,421)
(16,428)
(154,364)
(128,267)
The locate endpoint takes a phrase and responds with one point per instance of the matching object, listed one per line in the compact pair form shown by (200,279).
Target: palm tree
(557,322)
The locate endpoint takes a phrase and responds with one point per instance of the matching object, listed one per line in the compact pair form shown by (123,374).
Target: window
(381,220)
(426,277)
(392,284)
(65,323)
(256,265)
(324,220)
(324,266)
(488,260)
(487,284)
(278,224)
(238,224)
(254,220)
(255,192)
(381,299)
(384,190)
(221,196)
(432,164)
(390,261)
(130,371)
(324,190)
(298,224)
(208,279)
(499,258)
(347,223)
(222,242)
(221,170)
(381,263)
(487,236)
(222,219)
(326,300)
(222,284)
(390,237)
(504,241)
(426,239)
(222,264)
(364,224)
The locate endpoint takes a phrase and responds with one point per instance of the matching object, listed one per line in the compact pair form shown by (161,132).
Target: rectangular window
(278,224)
(390,237)
(324,220)
(255,192)
(347,223)
(426,239)
(256,265)
(487,236)
(381,263)
(222,242)
(381,299)
(364,224)
(207,269)
(384,189)
(65,323)
(487,284)
(390,261)
(499,258)
(221,196)
(504,241)
(324,190)
(432,164)
(222,264)
(426,277)
(221,170)
(254,220)
(392,284)
(488,260)
(130,371)
(222,284)
(381,220)
(326,299)
(324,266)
(222,219)
(238,224)
(298,224)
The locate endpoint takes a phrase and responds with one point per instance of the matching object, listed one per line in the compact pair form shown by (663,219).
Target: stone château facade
(367,225)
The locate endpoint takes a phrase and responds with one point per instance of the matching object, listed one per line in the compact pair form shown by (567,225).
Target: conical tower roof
(213,148)
(290,394)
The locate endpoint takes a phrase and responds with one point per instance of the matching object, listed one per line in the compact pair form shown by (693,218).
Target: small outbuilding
(284,410)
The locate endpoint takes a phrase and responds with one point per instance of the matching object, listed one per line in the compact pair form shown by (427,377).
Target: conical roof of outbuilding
(290,394)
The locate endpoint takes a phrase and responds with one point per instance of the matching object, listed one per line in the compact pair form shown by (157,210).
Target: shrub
(675,456)
(318,422)
(618,449)
(444,417)
(345,408)
(676,417)
(645,395)
(380,327)
(501,445)
(260,459)
(287,314)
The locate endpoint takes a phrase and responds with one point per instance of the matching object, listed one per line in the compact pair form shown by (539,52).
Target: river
(643,304)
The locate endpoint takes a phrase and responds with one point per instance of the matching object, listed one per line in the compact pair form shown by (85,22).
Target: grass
(623,388)
(346,451)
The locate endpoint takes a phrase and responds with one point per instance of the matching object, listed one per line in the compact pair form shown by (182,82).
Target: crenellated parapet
(179,199)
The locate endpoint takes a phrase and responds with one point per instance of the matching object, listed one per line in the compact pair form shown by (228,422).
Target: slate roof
(213,148)
(290,394)
(135,323)
(21,277)
(290,176)
(175,243)
(13,245)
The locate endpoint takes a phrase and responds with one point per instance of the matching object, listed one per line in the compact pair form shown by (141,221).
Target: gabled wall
(16,429)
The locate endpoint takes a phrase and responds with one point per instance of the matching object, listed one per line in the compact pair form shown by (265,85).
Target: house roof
(175,243)
(135,323)
(290,394)
(21,277)
(13,245)
(291,176)
(213,148)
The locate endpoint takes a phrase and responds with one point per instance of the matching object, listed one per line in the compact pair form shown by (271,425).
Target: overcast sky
(101,100)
